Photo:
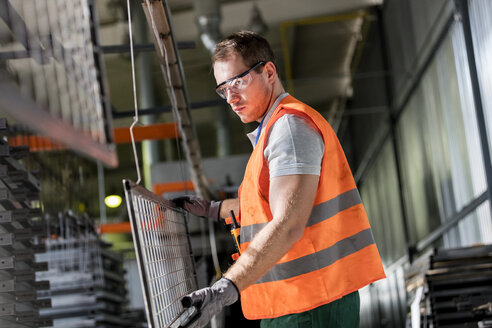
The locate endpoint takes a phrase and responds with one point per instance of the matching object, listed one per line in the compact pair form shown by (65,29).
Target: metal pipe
(452,222)
(166,109)
(208,20)
(146,96)
(142,47)
(223,135)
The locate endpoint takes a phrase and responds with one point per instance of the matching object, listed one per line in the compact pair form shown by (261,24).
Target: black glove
(210,301)
(199,206)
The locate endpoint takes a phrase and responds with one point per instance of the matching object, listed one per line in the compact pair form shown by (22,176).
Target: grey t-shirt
(293,147)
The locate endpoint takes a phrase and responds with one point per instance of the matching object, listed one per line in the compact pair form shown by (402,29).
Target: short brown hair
(251,46)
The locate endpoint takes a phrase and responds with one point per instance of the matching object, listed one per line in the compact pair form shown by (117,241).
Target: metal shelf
(19,303)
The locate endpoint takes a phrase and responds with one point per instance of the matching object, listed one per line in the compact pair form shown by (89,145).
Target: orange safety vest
(337,254)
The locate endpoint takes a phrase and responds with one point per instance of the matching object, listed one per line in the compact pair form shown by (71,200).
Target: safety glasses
(236,83)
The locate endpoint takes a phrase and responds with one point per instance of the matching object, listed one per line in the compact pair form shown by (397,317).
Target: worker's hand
(199,206)
(211,300)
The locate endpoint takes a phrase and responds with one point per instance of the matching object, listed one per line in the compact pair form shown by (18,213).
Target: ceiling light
(112,201)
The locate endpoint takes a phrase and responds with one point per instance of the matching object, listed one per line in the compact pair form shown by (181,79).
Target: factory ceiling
(315,42)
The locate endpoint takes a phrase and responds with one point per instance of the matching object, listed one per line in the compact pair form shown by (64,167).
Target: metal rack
(162,246)
(87,280)
(460,287)
(451,288)
(19,189)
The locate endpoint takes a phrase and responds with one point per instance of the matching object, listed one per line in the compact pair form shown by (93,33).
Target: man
(306,242)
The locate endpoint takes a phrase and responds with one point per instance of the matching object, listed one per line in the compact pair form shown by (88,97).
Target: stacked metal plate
(86,279)
(19,189)
(460,287)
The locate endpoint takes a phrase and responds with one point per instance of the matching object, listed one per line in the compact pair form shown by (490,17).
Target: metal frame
(462,6)
(159,238)
(452,222)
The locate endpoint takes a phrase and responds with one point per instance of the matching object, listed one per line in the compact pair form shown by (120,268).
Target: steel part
(3,125)
(18,286)
(17,174)
(21,237)
(7,263)
(86,278)
(459,281)
(16,151)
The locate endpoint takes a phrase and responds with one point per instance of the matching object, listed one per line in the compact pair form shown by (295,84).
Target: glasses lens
(236,85)
(222,91)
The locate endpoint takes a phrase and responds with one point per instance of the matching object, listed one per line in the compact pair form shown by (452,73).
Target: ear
(271,71)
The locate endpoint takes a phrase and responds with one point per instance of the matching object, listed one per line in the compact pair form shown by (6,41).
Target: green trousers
(342,313)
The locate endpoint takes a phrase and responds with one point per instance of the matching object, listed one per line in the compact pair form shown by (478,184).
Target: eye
(237,83)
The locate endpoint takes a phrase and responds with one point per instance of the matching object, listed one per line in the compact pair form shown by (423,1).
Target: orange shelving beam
(121,135)
(118,227)
(160,188)
(150,132)
(35,143)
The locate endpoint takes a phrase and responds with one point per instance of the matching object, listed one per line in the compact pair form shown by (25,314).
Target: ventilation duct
(208,21)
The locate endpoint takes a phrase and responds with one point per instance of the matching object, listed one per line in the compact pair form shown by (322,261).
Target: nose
(231,96)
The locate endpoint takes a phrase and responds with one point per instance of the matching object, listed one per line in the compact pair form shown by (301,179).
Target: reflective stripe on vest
(327,256)
(320,212)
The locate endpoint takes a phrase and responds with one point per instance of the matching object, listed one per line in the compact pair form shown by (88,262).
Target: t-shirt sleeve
(294,147)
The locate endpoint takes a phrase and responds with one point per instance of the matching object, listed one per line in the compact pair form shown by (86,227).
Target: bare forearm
(229,205)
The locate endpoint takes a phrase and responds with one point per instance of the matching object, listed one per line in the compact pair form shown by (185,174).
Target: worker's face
(251,101)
